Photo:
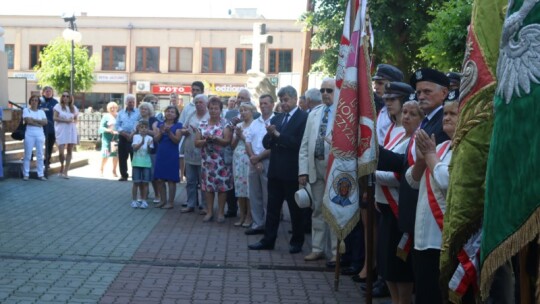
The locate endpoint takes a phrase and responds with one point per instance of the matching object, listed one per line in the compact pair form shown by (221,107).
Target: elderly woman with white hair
(241,163)
(109,137)
(192,154)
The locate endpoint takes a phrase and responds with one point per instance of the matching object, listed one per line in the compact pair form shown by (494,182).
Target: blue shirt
(47,105)
(126,121)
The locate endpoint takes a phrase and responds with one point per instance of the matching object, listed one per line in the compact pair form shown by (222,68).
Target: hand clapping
(424,143)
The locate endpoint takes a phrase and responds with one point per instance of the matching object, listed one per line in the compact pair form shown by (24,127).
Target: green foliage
(55,69)
(446,36)
(398,28)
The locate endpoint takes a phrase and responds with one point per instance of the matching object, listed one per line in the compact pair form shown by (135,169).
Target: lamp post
(72,35)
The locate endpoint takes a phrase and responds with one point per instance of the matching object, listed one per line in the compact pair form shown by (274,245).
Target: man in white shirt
(258,169)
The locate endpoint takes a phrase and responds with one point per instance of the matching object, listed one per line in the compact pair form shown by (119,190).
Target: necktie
(424,122)
(319,145)
(285,121)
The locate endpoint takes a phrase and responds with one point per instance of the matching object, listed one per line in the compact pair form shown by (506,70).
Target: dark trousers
(232,205)
(426,276)
(354,247)
(278,191)
(125,151)
(50,139)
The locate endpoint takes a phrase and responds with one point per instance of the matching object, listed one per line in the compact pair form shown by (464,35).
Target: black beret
(397,89)
(431,75)
(453,95)
(453,76)
(388,72)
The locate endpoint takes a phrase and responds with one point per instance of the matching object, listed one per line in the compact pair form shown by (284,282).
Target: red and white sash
(433,204)
(466,274)
(405,243)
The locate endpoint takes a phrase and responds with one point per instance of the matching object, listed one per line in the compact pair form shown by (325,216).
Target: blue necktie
(319,145)
(285,121)
(424,122)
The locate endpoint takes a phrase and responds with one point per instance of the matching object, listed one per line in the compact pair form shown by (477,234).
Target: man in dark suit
(283,138)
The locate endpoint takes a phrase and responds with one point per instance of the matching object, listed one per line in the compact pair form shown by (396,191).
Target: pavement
(78,240)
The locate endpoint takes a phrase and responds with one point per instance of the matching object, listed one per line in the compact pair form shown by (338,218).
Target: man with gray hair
(312,161)
(126,120)
(313,98)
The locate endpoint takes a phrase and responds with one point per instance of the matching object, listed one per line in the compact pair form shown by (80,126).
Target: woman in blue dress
(168,135)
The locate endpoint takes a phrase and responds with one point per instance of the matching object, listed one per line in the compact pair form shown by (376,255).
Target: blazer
(390,161)
(306,157)
(284,149)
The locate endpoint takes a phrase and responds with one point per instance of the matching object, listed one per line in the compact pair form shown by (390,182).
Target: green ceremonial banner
(512,207)
(470,147)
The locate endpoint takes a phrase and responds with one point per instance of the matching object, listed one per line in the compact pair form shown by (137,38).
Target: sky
(270,9)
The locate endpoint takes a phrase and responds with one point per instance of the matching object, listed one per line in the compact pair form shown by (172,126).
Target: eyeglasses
(329,91)
(65,95)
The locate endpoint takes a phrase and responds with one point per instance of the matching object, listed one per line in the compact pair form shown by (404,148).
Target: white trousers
(31,141)
(321,236)
(258,194)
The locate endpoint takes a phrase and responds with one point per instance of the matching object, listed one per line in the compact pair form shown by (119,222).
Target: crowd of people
(251,160)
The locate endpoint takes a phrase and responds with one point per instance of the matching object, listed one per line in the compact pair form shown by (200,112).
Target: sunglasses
(65,95)
(329,91)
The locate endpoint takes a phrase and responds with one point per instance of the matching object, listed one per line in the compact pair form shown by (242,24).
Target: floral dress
(215,174)
(241,166)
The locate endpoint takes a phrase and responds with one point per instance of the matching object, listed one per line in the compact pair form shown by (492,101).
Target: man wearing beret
(431,90)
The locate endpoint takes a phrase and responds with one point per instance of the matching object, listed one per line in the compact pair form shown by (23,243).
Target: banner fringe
(341,233)
(454,297)
(508,248)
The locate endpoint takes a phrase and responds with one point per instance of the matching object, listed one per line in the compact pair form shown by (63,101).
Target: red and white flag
(354,150)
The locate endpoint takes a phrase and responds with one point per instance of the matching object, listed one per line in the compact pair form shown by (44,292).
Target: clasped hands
(425,144)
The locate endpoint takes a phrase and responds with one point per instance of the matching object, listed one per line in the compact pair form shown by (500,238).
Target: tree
(55,68)
(398,27)
(446,35)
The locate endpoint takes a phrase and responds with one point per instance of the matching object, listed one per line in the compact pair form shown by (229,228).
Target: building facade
(142,55)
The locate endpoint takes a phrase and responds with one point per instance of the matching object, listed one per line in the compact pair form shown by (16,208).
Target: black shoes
(351,271)
(260,246)
(122,179)
(295,249)
(380,289)
(230,214)
(251,231)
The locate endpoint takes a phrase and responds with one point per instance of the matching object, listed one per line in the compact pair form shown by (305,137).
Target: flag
(465,198)
(354,150)
(512,206)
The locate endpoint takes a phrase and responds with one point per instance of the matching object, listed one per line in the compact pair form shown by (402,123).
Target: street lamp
(71,34)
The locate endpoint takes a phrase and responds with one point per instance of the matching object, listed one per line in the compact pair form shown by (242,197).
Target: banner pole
(336,269)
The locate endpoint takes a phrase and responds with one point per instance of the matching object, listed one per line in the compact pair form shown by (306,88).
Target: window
(243,60)
(315,56)
(180,59)
(147,59)
(35,51)
(10,51)
(213,60)
(279,61)
(114,58)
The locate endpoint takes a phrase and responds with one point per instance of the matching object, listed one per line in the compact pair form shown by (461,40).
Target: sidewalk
(78,241)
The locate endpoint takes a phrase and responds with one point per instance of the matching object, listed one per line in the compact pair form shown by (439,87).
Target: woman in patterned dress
(241,163)
(216,174)
(107,129)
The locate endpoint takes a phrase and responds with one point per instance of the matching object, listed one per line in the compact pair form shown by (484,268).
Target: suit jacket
(390,161)
(306,158)
(284,149)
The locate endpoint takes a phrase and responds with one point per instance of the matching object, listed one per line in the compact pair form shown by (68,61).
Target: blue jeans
(193,174)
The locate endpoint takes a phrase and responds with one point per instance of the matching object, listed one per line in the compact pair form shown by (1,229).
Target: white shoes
(139,204)
(25,178)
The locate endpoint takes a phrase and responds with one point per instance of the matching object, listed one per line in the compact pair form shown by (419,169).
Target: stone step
(14,168)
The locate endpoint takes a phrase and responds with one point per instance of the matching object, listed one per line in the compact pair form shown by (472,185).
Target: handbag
(18,134)
(114,144)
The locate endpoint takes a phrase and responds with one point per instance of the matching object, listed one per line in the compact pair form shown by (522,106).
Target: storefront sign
(225,89)
(168,89)
(111,77)
(27,75)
